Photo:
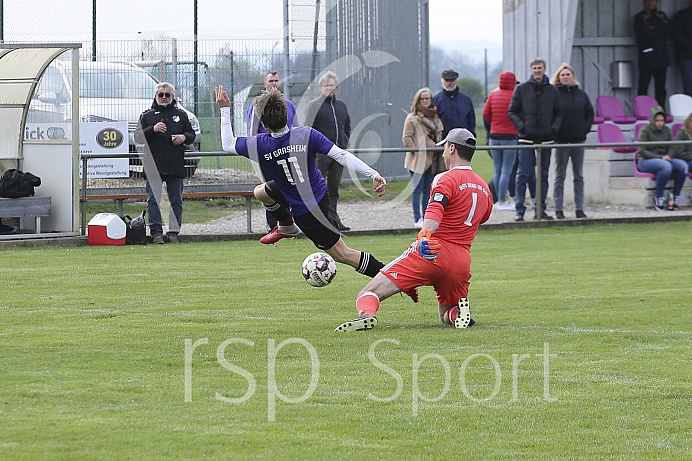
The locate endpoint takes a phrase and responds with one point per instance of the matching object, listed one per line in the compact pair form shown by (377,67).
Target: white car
(108,91)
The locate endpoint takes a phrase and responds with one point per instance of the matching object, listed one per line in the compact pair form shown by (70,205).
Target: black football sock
(369,265)
(280,212)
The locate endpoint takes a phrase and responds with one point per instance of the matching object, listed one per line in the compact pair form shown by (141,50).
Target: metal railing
(388,150)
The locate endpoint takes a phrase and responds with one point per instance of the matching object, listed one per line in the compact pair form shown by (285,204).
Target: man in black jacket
(651,29)
(536,113)
(682,39)
(164,130)
(329,116)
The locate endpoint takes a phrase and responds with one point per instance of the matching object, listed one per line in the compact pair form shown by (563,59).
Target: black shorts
(315,225)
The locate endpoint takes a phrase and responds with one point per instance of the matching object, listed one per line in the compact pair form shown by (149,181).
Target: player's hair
(538,60)
(271,72)
(464,152)
(272,106)
(416,99)
(165,85)
(329,75)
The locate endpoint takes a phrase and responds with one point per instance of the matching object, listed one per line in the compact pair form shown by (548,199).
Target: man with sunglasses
(164,130)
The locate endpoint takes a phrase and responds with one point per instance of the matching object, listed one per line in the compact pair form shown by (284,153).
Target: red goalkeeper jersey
(460,201)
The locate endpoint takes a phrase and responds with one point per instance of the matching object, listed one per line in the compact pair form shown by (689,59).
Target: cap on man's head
(450,74)
(460,136)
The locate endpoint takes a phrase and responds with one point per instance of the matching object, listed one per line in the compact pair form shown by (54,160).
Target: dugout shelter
(54,159)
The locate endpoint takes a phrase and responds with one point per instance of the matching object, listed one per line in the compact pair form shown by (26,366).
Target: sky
(453,23)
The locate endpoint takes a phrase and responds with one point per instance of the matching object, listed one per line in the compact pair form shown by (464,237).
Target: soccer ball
(319,269)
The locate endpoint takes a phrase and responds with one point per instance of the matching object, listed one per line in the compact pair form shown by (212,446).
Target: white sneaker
(503,206)
(418,224)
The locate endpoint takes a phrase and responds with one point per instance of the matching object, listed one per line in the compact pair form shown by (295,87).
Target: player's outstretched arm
(352,162)
(228,140)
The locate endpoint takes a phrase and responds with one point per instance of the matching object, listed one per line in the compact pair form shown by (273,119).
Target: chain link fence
(378,48)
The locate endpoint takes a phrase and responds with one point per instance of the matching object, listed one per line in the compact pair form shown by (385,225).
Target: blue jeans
(527,166)
(174,187)
(664,171)
(503,162)
(421,192)
(561,158)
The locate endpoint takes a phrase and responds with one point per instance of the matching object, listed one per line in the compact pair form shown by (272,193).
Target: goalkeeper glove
(428,247)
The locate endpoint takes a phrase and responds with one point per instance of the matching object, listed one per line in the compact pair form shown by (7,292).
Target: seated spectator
(684,152)
(657,159)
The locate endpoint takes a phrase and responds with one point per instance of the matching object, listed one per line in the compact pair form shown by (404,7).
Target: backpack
(15,183)
(136,230)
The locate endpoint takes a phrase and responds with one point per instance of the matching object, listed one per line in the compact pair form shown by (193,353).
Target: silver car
(108,91)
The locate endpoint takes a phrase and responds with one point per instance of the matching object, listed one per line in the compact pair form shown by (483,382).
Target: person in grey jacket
(329,116)
(536,113)
(576,124)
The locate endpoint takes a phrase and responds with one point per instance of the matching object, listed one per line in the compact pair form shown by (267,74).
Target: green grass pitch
(582,350)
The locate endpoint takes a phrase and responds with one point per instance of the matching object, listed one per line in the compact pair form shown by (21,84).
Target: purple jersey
(290,160)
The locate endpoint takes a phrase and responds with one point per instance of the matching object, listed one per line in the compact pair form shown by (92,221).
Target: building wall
(589,34)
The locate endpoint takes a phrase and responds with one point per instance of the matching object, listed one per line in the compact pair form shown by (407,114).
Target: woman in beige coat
(422,129)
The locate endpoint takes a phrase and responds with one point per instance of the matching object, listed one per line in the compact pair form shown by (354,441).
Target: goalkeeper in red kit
(460,201)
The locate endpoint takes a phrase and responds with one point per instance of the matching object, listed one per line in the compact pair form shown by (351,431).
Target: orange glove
(428,247)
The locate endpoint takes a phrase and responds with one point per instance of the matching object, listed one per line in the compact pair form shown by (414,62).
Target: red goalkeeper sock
(367,303)
(451,315)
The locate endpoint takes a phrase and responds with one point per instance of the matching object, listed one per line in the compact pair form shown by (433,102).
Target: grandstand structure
(595,36)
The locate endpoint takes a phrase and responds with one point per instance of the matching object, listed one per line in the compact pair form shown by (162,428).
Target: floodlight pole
(93,32)
(2,22)
(287,43)
(195,72)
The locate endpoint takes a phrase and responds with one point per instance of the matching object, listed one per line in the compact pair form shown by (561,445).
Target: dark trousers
(659,75)
(332,171)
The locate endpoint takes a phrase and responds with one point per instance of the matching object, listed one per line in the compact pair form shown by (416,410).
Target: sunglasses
(164,95)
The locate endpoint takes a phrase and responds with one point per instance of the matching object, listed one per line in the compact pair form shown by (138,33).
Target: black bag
(136,230)
(15,183)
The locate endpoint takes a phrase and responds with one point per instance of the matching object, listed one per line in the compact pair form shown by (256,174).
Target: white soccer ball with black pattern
(319,269)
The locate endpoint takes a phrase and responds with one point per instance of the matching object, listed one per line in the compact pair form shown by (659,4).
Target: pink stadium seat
(598,120)
(639,174)
(642,108)
(610,108)
(607,132)
(675,128)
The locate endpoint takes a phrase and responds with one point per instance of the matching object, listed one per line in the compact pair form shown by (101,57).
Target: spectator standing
(651,29)
(271,80)
(501,133)
(329,116)
(658,159)
(454,108)
(684,151)
(536,113)
(682,41)
(576,124)
(164,130)
(422,130)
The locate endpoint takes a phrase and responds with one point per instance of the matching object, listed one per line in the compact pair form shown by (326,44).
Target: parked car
(108,91)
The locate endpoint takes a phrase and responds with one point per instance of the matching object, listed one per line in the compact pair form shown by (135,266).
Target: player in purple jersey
(297,191)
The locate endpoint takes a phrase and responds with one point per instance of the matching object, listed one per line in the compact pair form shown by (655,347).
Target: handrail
(85,157)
